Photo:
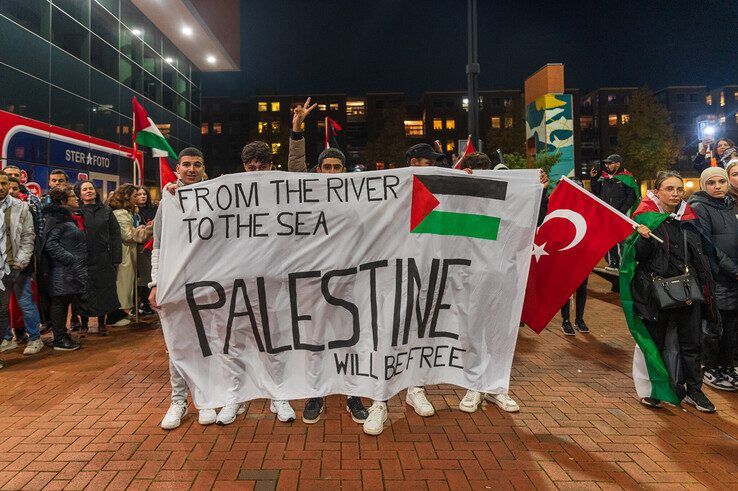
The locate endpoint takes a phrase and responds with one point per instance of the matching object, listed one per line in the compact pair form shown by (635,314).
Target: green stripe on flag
(151,140)
(465,224)
(661,388)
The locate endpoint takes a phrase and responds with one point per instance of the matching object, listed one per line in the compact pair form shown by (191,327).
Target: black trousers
(581,299)
(720,351)
(613,256)
(59,309)
(686,320)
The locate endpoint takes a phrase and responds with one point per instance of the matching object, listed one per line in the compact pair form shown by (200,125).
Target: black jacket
(718,219)
(64,261)
(614,193)
(701,164)
(666,260)
(105,253)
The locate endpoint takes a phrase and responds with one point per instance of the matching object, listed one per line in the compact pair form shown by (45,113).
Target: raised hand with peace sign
(300,113)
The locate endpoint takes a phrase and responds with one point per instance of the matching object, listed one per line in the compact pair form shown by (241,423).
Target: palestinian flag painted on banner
(331,133)
(457,197)
(627,178)
(146,134)
(650,376)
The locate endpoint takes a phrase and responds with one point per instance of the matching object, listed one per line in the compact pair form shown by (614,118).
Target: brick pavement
(89,419)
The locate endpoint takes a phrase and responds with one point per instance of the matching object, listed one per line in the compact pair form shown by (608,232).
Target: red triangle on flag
(166,175)
(423,203)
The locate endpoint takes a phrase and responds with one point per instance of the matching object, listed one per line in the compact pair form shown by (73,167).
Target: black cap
(614,158)
(423,150)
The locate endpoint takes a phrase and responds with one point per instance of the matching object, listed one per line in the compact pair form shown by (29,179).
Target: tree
(387,141)
(647,141)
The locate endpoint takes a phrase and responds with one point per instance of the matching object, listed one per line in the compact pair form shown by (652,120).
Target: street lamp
(472,74)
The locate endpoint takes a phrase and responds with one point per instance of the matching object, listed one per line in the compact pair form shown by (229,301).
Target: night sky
(359,46)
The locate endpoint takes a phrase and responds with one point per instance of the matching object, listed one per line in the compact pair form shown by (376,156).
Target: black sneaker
(700,401)
(581,326)
(356,409)
(313,409)
(567,328)
(651,402)
(66,343)
(717,379)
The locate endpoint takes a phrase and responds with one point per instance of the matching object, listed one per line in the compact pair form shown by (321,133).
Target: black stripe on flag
(465,186)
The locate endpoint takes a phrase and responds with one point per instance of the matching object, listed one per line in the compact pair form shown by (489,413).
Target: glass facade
(76,64)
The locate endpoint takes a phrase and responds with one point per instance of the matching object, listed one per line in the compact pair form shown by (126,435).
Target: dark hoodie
(64,261)
(718,218)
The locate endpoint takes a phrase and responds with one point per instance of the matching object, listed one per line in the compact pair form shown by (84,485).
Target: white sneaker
(228,414)
(374,423)
(8,345)
(123,322)
(33,347)
(471,401)
(283,410)
(504,402)
(207,416)
(416,398)
(175,413)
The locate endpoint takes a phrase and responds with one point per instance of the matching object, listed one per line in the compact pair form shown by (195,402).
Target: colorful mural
(549,126)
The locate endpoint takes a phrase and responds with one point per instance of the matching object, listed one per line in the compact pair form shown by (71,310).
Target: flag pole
(625,217)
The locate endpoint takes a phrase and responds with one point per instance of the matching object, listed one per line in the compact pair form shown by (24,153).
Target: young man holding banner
(190,170)
(330,161)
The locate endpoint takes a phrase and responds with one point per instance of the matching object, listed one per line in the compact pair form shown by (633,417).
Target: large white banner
(286,286)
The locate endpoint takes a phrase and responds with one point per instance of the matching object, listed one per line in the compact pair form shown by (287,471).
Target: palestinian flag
(331,133)
(145,133)
(650,376)
(458,198)
(627,178)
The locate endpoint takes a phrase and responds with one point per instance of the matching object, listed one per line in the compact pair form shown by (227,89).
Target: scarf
(4,266)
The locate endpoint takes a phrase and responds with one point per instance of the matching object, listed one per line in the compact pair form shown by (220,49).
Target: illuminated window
(355,108)
(437,124)
(508,101)
(275,126)
(302,126)
(275,107)
(322,107)
(334,106)
(414,128)
(624,118)
(262,107)
(204,129)
(722,99)
(450,145)
(722,119)
(736,118)
(263,126)
(496,122)
(217,129)
(585,122)
(509,121)
(465,103)
(276,147)
(708,100)
(450,124)
(612,120)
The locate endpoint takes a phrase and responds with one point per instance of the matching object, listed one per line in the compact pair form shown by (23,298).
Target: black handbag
(677,291)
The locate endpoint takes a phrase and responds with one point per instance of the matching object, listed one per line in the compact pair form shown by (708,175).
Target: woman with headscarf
(718,219)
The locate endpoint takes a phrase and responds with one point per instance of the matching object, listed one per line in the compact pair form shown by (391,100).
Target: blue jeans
(20,284)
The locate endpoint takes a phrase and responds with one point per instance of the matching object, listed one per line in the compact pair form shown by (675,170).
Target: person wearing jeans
(17,238)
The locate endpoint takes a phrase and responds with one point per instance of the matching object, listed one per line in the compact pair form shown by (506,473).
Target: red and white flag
(578,230)
(469,150)
(166,174)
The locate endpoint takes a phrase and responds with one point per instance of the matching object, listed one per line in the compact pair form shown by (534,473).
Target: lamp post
(472,74)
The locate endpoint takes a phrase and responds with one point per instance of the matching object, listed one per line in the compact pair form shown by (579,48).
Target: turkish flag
(578,230)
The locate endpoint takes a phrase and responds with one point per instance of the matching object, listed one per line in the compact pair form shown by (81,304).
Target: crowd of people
(66,257)
(70,252)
